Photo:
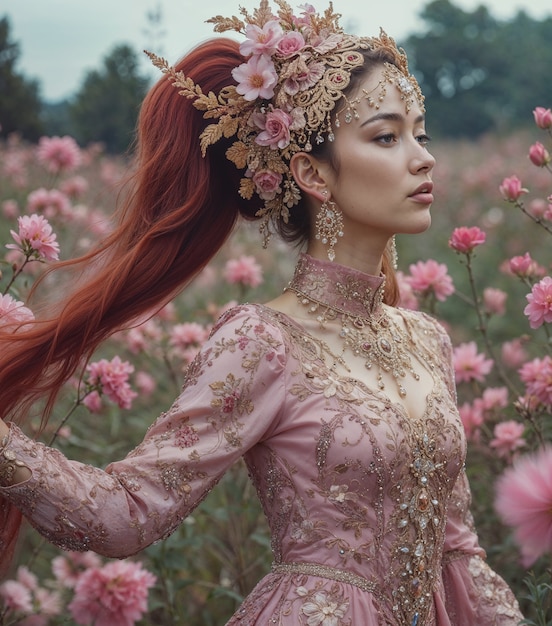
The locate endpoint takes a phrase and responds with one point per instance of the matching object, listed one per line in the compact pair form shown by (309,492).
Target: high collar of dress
(338,287)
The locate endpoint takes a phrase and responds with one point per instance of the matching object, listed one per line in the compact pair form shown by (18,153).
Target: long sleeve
(473,591)
(231,399)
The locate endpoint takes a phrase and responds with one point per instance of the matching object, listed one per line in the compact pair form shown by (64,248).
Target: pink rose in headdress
(303,76)
(274,127)
(291,43)
(261,40)
(267,183)
(256,78)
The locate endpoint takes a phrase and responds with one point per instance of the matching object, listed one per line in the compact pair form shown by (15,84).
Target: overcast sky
(60,40)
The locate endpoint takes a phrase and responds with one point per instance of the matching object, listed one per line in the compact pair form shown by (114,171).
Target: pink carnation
(13,312)
(113,595)
(67,569)
(472,418)
(430,276)
(508,437)
(245,271)
(469,364)
(539,309)
(59,154)
(16,596)
(525,266)
(185,335)
(494,301)
(495,398)
(35,238)
(49,202)
(524,502)
(408,299)
(513,353)
(537,376)
(112,379)
(465,239)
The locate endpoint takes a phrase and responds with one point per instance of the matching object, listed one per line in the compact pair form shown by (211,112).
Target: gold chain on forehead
(296,69)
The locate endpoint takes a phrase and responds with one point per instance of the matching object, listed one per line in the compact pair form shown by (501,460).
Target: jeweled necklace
(331,291)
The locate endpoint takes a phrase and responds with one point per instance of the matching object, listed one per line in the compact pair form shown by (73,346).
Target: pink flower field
(484,270)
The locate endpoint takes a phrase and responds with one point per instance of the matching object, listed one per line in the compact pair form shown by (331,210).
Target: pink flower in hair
(263,40)
(291,43)
(508,438)
(539,309)
(469,364)
(59,154)
(524,502)
(13,312)
(274,127)
(113,595)
(511,189)
(543,117)
(267,183)
(35,238)
(303,76)
(245,271)
(430,276)
(256,78)
(465,239)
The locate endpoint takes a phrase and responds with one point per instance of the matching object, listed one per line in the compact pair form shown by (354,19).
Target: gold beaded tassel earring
(393,255)
(329,225)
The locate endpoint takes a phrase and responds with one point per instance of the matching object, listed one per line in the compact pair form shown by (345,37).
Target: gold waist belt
(325,571)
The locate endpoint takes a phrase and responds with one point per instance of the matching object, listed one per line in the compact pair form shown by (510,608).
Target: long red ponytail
(182,209)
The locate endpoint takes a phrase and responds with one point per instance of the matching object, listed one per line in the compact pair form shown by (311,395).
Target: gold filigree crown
(296,69)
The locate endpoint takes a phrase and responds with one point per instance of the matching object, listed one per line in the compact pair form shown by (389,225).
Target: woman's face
(383,180)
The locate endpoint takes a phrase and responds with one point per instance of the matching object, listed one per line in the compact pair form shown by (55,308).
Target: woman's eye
(386,139)
(423,139)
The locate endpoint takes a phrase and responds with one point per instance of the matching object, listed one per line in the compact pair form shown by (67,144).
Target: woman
(342,404)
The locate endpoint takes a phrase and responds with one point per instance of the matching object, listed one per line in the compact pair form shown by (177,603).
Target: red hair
(182,209)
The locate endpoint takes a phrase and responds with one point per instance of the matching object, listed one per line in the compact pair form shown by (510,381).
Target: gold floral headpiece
(296,70)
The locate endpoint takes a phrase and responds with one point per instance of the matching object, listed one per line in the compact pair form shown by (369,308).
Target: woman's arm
(231,400)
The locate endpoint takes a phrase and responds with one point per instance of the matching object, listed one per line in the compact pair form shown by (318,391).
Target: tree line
(478,73)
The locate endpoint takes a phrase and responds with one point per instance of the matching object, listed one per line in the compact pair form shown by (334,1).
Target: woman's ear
(309,174)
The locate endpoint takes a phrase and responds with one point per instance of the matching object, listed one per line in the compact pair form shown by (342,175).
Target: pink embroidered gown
(368,507)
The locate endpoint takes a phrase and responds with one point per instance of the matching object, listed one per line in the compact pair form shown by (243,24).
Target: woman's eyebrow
(393,117)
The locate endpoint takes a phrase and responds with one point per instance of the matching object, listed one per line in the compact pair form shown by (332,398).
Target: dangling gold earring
(329,224)
(393,255)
